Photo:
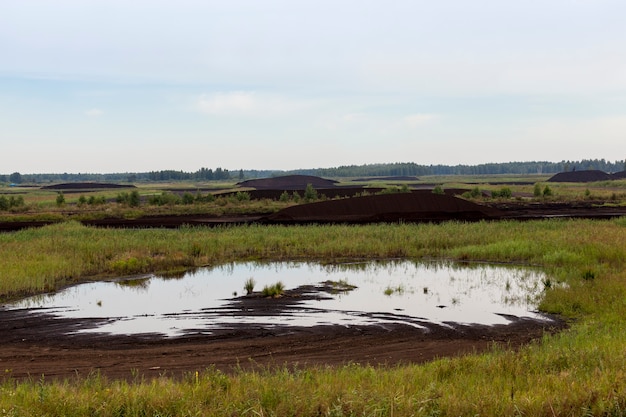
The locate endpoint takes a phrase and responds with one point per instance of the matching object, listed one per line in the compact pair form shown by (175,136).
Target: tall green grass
(581,371)
(43,259)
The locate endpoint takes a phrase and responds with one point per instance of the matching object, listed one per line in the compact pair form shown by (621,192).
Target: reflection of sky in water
(389,292)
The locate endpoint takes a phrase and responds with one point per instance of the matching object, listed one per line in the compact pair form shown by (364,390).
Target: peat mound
(581,176)
(391,178)
(414,206)
(619,175)
(288,182)
(85,186)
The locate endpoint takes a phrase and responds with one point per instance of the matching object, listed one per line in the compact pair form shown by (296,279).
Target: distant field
(36,200)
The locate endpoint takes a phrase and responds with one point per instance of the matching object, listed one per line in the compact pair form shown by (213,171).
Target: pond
(363,293)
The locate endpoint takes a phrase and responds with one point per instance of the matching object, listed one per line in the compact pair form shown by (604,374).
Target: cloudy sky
(118,86)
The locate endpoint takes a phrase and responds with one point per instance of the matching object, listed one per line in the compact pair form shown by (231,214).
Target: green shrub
(188,198)
(8,203)
(547,191)
(310,194)
(134,199)
(130,199)
(284,197)
(60,199)
(438,190)
(504,192)
(474,193)
(242,196)
(93,200)
(165,198)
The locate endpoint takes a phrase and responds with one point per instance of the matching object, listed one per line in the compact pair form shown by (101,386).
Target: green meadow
(581,371)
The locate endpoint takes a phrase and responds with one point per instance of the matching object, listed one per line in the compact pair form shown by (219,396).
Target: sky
(107,86)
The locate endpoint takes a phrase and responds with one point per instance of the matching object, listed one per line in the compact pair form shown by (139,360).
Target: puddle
(208,299)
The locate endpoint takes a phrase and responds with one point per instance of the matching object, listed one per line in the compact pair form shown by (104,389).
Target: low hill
(85,186)
(414,206)
(581,176)
(288,182)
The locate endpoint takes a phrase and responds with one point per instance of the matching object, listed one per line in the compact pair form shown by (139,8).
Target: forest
(399,169)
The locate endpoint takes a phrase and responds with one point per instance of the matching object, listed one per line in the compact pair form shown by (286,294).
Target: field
(574,368)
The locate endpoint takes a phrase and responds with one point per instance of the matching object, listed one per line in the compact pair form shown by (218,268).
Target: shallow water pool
(395,292)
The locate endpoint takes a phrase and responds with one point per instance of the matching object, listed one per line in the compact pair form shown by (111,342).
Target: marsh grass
(274,290)
(579,371)
(248,286)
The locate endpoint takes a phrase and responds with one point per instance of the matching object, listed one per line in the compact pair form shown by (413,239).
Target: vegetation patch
(274,290)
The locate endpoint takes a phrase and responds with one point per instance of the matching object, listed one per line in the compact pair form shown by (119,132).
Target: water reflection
(367,293)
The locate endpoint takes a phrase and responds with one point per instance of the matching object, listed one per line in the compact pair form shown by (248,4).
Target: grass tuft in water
(248,286)
(274,290)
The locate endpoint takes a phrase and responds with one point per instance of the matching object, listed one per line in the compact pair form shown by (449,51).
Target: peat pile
(586,176)
(422,206)
(85,186)
(288,182)
(390,178)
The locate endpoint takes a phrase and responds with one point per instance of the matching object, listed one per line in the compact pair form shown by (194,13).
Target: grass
(248,286)
(274,290)
(399,290)
(577,372)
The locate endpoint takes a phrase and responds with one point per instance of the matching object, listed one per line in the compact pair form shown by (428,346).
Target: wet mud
(36,343)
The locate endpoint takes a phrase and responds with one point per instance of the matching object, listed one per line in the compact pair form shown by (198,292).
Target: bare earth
(35,344)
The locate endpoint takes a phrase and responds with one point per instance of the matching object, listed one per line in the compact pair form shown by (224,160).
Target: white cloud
(418,119)
(94,112)
(232,103)
(250,104)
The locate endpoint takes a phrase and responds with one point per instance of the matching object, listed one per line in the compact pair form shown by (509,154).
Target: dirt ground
(35,344)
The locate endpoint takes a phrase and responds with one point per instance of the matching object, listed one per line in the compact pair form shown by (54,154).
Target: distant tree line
(412,169)
(398,169)
(203,174)
(408,169)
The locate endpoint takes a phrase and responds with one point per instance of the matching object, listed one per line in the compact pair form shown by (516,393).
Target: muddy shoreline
(36,344)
